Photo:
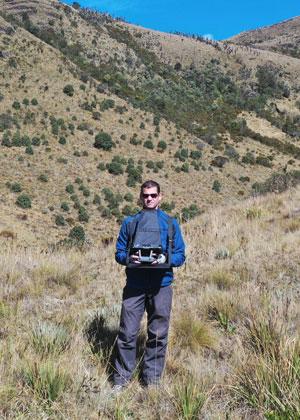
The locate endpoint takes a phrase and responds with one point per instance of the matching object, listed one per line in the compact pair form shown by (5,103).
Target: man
(148,285)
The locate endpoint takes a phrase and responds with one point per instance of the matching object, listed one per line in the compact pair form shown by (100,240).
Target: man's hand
(161,259)
(135,259)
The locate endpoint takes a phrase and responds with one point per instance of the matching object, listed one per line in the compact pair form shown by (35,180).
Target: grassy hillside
(170,107)
(282,37)
(234,345)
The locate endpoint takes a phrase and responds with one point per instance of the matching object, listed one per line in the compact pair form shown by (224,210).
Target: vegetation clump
(24,201)
(103,141)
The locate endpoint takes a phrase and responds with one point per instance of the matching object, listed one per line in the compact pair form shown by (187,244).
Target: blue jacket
(143,278)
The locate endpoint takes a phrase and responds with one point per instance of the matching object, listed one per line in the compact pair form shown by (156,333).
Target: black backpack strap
(131,234)
(170,239)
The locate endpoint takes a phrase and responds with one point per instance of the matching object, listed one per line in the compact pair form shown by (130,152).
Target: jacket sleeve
(178,251)
(121,245)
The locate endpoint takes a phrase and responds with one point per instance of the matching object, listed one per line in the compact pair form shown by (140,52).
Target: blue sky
(219,19)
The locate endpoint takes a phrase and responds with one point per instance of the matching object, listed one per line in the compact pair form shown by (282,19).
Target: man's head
(150,195)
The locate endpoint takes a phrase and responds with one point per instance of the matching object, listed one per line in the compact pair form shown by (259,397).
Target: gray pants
(157,303)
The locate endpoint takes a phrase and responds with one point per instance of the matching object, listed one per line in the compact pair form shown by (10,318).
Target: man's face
(150,198)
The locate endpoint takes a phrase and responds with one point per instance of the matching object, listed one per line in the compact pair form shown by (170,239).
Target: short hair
(150,184)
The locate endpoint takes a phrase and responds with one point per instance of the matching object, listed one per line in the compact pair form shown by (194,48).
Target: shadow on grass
(102,340)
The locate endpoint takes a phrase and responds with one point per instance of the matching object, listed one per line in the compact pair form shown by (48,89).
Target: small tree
(148,144)
(103,141)
(68,90)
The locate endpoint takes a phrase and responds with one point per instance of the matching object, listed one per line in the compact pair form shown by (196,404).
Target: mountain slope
(66,79)
(283,37)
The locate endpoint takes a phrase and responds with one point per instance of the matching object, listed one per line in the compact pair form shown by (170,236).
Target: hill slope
(170,107)
(283,37)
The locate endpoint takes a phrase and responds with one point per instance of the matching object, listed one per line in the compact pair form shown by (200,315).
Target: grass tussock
(223,279)
(189,399)
(47,380)
(49,339)
(270,383)
(194,334)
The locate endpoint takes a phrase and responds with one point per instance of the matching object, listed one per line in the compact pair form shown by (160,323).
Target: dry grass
(233,345)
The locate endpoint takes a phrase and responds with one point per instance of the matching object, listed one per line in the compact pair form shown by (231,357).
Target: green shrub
(60,220)
(97,199)
(15,187)
(249,158)
(195,154)
(68,90)
(34,102)
(148,144)
(128,197)
(150,164)
(36,141)
(156,120)
(190,212)
(70,189)
(244,179)
(86,192)
(135,141)
(107,104)
(216,186)
(43,178)
(115,168)
(62,140)
(64,206)
(77,234)
(25,101)
(24,201)
(127,210)
(103,141)
(182,154)
(101,166)
(29,150)
(185,167)
(106,213)
(83,215)
(16,105)
(264,161)
(96,116)
(161,146)
(78,180)
(168,207)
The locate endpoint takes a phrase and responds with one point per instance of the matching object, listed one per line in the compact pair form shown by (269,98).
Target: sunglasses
(155,195)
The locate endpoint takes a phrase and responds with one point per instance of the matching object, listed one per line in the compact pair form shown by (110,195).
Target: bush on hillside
(15,187)
(190,212)
(103,141)
(68,90)
(216,186)
(148,144)
(60,220)
(24,201)
(77,234)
